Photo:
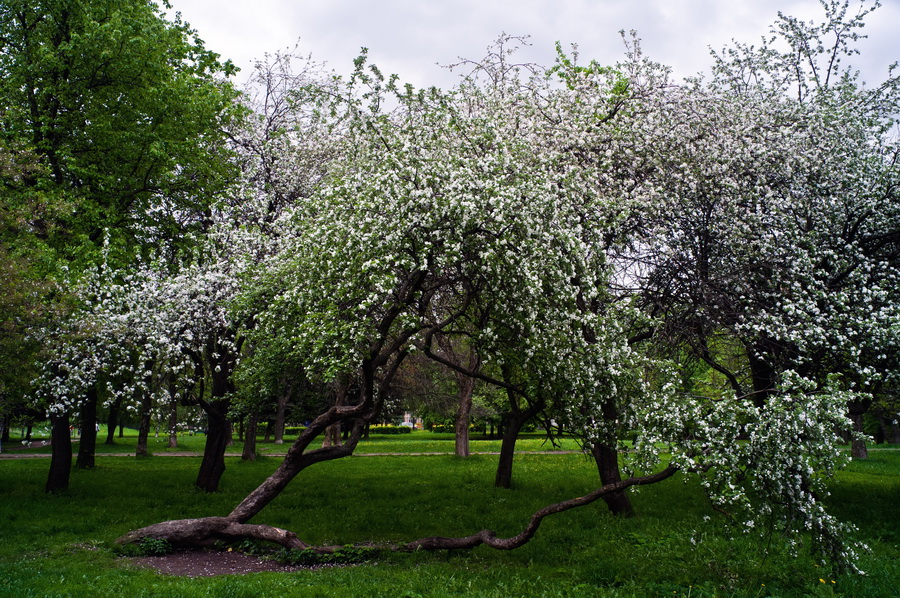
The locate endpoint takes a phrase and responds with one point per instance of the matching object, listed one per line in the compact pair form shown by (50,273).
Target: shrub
(389,429)
(346,555)
(146,547)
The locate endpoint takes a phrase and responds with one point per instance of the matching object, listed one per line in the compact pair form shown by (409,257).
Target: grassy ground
(418,441)
(60,545)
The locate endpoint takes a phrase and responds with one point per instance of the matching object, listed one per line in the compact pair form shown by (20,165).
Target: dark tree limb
(489,537)
(206,531)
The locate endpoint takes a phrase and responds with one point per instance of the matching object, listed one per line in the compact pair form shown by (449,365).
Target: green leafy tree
(113,124)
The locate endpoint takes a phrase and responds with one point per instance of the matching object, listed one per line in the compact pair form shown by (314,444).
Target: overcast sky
(412,37)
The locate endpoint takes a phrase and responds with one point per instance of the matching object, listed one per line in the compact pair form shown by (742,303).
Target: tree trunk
(249,453)
(4,437)
(144,427)
(213,465)
(466,389)
(858,447)
(333,432)
(607,459)
(111,421)
(173,422)
(61,453)
(508,446)
(280,410)
(88,444)
(892,431)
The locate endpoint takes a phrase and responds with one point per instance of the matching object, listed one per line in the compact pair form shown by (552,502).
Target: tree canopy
(696,277)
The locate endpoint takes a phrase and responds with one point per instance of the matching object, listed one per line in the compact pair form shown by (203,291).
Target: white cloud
(410,37)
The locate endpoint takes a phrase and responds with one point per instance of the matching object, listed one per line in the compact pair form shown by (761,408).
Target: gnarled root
(206,531)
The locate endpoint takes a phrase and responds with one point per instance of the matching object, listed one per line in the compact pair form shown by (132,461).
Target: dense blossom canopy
(709,269)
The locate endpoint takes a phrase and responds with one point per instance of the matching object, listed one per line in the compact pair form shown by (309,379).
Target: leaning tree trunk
(607,458)
(61,453)
(514,424)
(217,434)
(88,444)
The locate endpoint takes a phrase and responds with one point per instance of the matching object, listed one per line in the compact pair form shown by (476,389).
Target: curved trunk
(88,443)
(61,453)
(514,425)
(607,458)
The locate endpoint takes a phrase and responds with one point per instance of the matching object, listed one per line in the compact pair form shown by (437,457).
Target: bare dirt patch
(207,563)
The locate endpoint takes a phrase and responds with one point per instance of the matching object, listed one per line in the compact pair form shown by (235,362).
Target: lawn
(419,441)
(676,546)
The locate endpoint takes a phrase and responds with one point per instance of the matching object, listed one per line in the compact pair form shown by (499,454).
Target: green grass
(61,545)
(417,442)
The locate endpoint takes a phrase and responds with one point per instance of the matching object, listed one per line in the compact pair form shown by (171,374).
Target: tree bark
(144,426)
(856,411)
(607,459)
(61,453)
(217,431)
(87,446)
(249,453)
(466,388)
(173,422)
(890,429)
(858,448)
(333,432)
(280,410)
(514,424)
(111,420)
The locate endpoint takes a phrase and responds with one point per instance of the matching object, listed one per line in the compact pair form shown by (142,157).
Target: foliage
(709,269)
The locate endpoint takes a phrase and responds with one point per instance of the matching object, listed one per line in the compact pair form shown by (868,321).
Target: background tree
(122,113)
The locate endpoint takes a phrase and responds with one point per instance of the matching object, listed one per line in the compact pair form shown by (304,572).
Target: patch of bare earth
(206,563)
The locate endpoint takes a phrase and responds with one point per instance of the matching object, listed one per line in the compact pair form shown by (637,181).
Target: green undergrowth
(63,545)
